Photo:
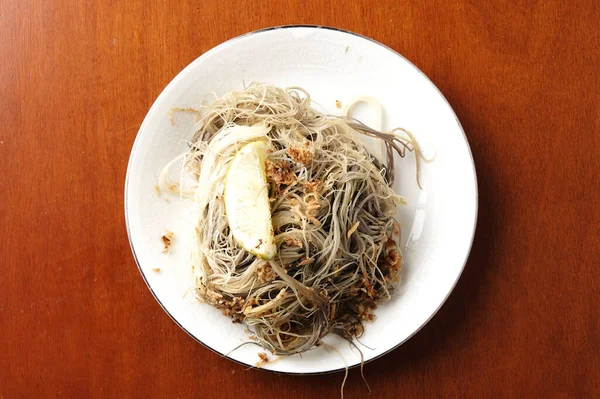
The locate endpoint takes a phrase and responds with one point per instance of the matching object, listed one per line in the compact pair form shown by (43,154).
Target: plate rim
(323,27)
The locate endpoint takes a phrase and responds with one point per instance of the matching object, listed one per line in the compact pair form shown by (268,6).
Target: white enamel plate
(438,222)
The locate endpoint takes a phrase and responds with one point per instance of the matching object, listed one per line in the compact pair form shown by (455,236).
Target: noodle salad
(332,213)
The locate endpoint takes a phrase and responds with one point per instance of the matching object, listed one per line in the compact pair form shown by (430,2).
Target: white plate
(437,224)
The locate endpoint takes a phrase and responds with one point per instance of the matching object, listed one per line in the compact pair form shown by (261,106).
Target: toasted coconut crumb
(265,272)
(156,269)
(338,104)
(365,310)
(292,242)
(167,238)
(391,263)
(312,187)
(352,229)
(264,359)
(230,307)
(279,173)
(368,289)
(248,306)
(157,190)
(300,155)
(396,229)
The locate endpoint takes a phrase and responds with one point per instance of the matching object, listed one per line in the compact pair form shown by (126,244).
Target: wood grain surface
(76,80)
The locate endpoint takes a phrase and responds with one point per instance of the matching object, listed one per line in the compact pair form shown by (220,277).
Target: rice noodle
(332,210)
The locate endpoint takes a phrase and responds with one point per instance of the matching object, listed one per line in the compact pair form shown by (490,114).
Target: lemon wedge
(247,201)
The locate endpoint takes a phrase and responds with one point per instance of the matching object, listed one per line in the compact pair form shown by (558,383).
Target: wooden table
(76,80)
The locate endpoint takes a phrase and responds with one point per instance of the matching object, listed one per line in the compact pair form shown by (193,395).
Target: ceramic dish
(438,222)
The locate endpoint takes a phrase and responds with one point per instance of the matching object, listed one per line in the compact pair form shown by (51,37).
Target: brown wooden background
(76,80)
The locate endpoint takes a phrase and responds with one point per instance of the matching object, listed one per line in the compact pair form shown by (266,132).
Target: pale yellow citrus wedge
(247,201)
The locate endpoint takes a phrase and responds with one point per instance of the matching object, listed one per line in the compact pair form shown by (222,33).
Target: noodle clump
(332,209)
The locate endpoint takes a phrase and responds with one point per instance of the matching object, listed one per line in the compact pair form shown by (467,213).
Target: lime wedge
(247,201)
